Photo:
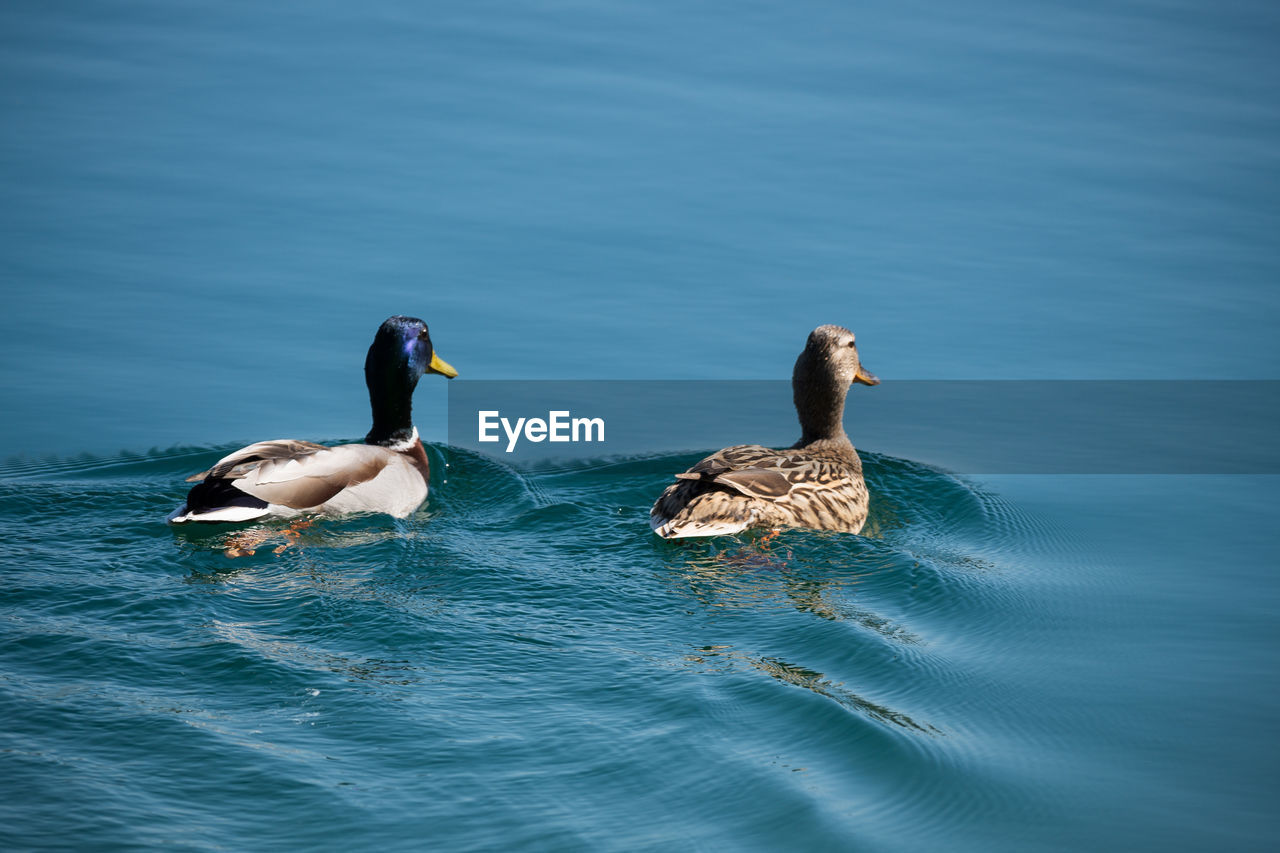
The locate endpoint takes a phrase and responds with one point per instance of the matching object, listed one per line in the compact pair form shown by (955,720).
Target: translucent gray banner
(978,427)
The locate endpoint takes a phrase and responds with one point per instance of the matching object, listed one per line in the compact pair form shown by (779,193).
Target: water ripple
(525,625)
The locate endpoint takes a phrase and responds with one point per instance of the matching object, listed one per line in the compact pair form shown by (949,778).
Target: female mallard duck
(388,473)
(816,483)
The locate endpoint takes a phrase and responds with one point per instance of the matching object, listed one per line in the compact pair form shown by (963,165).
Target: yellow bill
(439,365)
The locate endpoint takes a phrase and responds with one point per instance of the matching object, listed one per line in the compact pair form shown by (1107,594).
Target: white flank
(398,491)
(672,529)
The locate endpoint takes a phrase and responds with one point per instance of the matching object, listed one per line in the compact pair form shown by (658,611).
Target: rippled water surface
(211,206)
(521,665)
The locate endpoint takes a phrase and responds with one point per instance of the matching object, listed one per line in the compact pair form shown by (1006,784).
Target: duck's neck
(820,406)
(391,398)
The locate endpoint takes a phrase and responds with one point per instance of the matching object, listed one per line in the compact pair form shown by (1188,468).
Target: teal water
(212,206)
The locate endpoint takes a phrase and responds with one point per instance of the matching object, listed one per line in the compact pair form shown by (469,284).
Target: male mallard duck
(816,483)
(388,473)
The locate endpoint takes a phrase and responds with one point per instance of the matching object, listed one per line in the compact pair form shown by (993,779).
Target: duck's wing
(750,485)
(237,464)
(761,472)
(299,474)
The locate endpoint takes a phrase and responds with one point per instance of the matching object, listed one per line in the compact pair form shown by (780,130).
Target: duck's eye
(849,344)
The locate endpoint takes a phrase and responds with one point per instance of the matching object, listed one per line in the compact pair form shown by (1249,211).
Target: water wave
(519,620)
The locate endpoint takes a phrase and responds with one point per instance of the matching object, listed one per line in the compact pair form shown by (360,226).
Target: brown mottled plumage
(817,483)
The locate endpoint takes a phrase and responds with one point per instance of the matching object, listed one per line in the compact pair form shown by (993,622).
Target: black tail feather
(217,493)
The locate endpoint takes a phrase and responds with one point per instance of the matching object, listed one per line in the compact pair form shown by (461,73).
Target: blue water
(210,207)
